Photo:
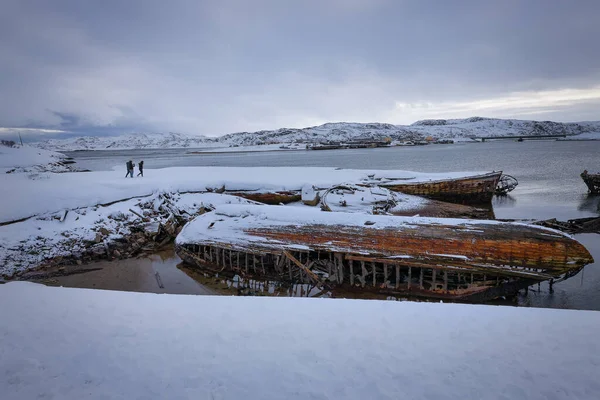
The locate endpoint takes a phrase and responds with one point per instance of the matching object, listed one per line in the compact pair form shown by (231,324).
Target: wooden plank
(363,281)
(340,262)
(302,267)
(134,212)
(385,274)
(374,274)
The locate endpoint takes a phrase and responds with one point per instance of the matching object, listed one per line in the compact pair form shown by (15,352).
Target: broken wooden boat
(506,184)
(476,189)
(271,197)
(378,200)
(467,260)
(592,181)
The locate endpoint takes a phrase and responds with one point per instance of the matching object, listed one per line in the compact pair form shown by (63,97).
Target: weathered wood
(397,277)
(363,280)
(134,212)
(303,268)
(477,189)
(340,262)
(351,264)
(446,280)
(159,280)
(62,219)
(409,276)
(385,274)
(374,274)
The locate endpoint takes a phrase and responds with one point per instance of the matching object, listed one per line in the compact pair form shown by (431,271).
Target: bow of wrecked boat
(468,260)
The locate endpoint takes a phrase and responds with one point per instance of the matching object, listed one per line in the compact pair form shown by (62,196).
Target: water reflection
(590,202)
(505,200)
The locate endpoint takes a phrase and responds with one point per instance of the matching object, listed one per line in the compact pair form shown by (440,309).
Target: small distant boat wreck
(476,189)
(455,187)
(592,181)
(467,260)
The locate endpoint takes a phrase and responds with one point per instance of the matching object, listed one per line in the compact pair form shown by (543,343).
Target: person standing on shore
(141,167)
(129,169)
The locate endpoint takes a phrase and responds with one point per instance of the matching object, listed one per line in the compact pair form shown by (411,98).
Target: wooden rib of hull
(471,261)
(477,189)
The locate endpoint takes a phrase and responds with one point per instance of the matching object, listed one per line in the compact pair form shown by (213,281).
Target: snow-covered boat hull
(478,189)
(381,201)
(272,198)
(427,257)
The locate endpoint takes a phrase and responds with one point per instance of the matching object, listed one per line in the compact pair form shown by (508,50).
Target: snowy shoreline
(79,343)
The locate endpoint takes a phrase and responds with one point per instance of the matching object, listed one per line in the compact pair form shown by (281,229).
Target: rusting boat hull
(478,189)
(261,196)
(592,181)
(381,201)
(272,198)
(453,259)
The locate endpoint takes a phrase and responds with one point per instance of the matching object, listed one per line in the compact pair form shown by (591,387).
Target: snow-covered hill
(337,132)
(16,159)
(128,141)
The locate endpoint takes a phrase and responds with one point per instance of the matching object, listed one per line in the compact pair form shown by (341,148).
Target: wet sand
(134,275)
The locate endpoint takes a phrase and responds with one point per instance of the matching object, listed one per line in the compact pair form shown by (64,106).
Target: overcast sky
(215,67)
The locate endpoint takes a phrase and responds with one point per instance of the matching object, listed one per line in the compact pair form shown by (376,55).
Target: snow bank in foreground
(13,157)
(77,343)
(25,197)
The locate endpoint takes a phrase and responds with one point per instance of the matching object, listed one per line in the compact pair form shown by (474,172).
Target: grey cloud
(215,67)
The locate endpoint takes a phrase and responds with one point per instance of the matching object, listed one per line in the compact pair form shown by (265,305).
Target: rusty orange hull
(272,198)
(410,256)
(477,189)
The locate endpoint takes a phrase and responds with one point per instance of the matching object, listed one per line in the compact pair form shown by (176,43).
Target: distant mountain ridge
(332,131)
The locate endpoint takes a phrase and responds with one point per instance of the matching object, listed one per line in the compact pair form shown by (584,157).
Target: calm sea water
(548,174)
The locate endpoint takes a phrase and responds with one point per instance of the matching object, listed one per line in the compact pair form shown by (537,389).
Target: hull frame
(477,189)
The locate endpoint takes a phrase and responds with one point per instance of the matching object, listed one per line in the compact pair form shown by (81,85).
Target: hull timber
(261,196)
(432,258)
(592,181)
(272,198)
(478,189)
(381,201)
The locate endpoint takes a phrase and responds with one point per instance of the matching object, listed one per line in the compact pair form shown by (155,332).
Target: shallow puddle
(158,273)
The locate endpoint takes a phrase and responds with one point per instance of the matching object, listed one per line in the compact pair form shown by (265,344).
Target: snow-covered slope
(26,158)
(128,141)
(62,343)
(336,132)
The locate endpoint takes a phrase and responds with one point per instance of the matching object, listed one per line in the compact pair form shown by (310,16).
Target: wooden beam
(302,267)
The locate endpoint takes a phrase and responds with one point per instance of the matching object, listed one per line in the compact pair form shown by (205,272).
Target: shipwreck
(467,260)
(592,181)
(476,189)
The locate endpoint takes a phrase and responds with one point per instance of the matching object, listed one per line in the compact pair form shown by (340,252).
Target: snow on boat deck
(26,195)
(76,343)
